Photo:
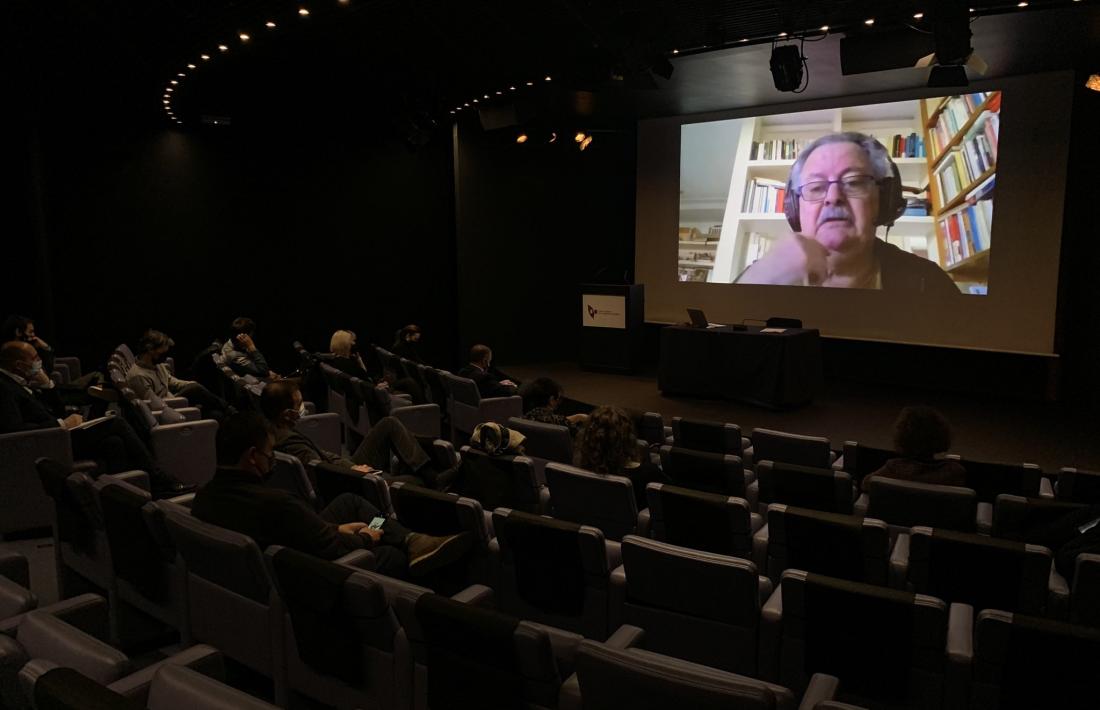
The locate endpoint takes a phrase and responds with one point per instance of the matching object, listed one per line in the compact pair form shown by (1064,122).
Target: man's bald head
(15,352)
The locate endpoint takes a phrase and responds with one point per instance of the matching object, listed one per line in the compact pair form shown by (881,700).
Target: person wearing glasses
(842,187)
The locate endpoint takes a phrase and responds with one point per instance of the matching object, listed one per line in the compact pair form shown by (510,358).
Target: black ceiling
(367,59)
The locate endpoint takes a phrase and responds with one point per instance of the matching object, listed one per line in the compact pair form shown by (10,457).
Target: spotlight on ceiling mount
(787,66)
(1093,82)
(953,53)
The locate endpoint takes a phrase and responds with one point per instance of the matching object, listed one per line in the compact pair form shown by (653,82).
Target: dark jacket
(488,384)
(407,350)
(20,410)
(942,472)
(902,271)
(300,446)
(238,500)
(243,362)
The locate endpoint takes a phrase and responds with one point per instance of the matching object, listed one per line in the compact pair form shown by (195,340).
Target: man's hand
(508,383)
(577,418)
(794,260)
(245,341)
(38,343)
(382,385)
(351,528)
(42,379)
(365,468)
(72,420)
(374,535)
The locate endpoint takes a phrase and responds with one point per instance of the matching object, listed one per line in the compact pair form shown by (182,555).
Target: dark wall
(304,230)
(533,222)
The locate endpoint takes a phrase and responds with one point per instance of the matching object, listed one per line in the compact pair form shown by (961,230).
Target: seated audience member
(150,373)
(237,499)
(608,444)
(406,344)
(346,358)
(240,351)
(76,392)
(109,441)
(1077,532)
(490,382)
(541,398)
(281,403)
(921,433)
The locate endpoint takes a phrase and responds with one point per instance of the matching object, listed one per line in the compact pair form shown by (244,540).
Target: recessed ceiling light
(475,101)
(223,48)
(511,88)
(204,57)
(918,15)
(244,37)
(485,96)
(675,51)
(467,105)
(1093,82)
(181,74)
(546,78)
(173,82)
(269,25)
(530,83)
(782,34)
(499,93)
(191,66)
(1021,4)
(824,28)
(165,101)
(521,138)
(303,12)
(170,89)
(869,21)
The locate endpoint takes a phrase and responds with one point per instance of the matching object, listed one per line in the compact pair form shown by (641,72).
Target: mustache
(834,212)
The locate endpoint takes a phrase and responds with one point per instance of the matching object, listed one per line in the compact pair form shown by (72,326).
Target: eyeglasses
(857,186)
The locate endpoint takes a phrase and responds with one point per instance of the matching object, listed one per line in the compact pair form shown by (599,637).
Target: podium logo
(592,312)
(600,311)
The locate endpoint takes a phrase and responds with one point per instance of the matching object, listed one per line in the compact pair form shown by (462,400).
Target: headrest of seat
(46,636)
(223,557)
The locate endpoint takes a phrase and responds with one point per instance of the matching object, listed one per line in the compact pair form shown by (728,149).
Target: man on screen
(841,187)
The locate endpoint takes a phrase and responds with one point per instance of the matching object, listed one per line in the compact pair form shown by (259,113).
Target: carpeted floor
(991,429)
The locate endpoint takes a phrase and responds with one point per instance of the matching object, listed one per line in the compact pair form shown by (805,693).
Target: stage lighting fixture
(580,136)
(947,76)
(521,138)
(662,67)
(787,67)
(1093,82)
(586,142)
(951,35)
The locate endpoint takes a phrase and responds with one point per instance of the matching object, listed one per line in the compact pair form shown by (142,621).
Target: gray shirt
(157,379)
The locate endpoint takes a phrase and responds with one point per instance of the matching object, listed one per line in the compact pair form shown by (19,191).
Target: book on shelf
(967,162)
(916,207)
(764,195)
(910,146)
(756,246)
(956,112)
(967,230)
(776,149)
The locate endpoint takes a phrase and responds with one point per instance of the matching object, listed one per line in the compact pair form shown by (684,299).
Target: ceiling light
(1021,4)
(675,51)
(223,48)
(466,105)
(824,28)
(918,15)
(511,88)
(204,57)
(485,96)
(343,2)
(244,37)
(191,66)
(269,25)
(452,110)
(782,34)
(546,78)
(580,136)
(869,21)
(1093,82)
(303,12)
(181,74)
(530,83)
(521,138)
(553,137)
(475,101)
(499,93)
(586,142)
(173,82)
(170,89)
(166,101)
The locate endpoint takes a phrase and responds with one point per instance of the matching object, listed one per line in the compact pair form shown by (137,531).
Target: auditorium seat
(981,571)
(543,443)
(703,435)
(337,392)
(420,419)
(824,489)
(860,460)
(470,656)
(693,605)
(43,642)
(711,522)
(780,446)
(322,429)
(1019,518)
(331,480)
(184,450)
(709,472)
(842,546)
(15,567)
(467,408)
(87,612)
(1015,662)
(553,572)
(500,481)
(652,429)
(1078,486)
(1084,599)
(24,504)
(611,677)
(990,479)
(435,513)
(903,504)
(603,501)
(288,474)
(176,687)
(885,646)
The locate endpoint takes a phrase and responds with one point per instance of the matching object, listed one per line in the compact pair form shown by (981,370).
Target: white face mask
(302,410)
(36,367)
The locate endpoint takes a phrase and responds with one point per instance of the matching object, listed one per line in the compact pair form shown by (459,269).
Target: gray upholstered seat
(702,521)
(781,446)
(1078,485)
(544,443)
(176,687)
(501,481)
(702,435)
(23,503)
(288,474)
(710,472)
(435,513)
(602,501)
(903,504)
(693,605)
(844,546)
(322,429)
(467,408)
(824,489)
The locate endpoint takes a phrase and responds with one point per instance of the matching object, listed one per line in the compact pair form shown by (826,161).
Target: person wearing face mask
(282,406)
(237,499)
(150,373)
(841,188)
(109,441)
(346,358)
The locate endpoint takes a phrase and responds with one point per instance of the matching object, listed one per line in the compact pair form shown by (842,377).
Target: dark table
(777,370)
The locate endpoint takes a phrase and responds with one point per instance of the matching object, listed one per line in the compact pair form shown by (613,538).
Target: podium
(612,322)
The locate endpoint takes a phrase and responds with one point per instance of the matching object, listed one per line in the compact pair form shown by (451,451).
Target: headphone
(891,204)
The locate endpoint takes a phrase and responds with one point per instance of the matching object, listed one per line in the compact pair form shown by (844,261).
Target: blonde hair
(341,343)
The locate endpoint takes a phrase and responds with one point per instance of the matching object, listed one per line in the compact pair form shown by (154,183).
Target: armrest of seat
(899,562)
(176,402)
(756,521)
(771,632)
(760,548)
(359,559)
(500,409)
(1057,595)
(15,567)
(85,466)
(822,688)
(202,658)
(544,500)
(838,465)
(983,519)
(859,508)
(15,598)
(642,529)
(626,636)
(960,655)
(746,453)
(764,589)
(752,489)
(184,500)
(87,612)
(476,595)
(614,553)
(138,479)
(1046,488)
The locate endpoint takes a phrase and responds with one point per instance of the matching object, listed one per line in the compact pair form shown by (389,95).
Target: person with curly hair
(608,444)
(920,435)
